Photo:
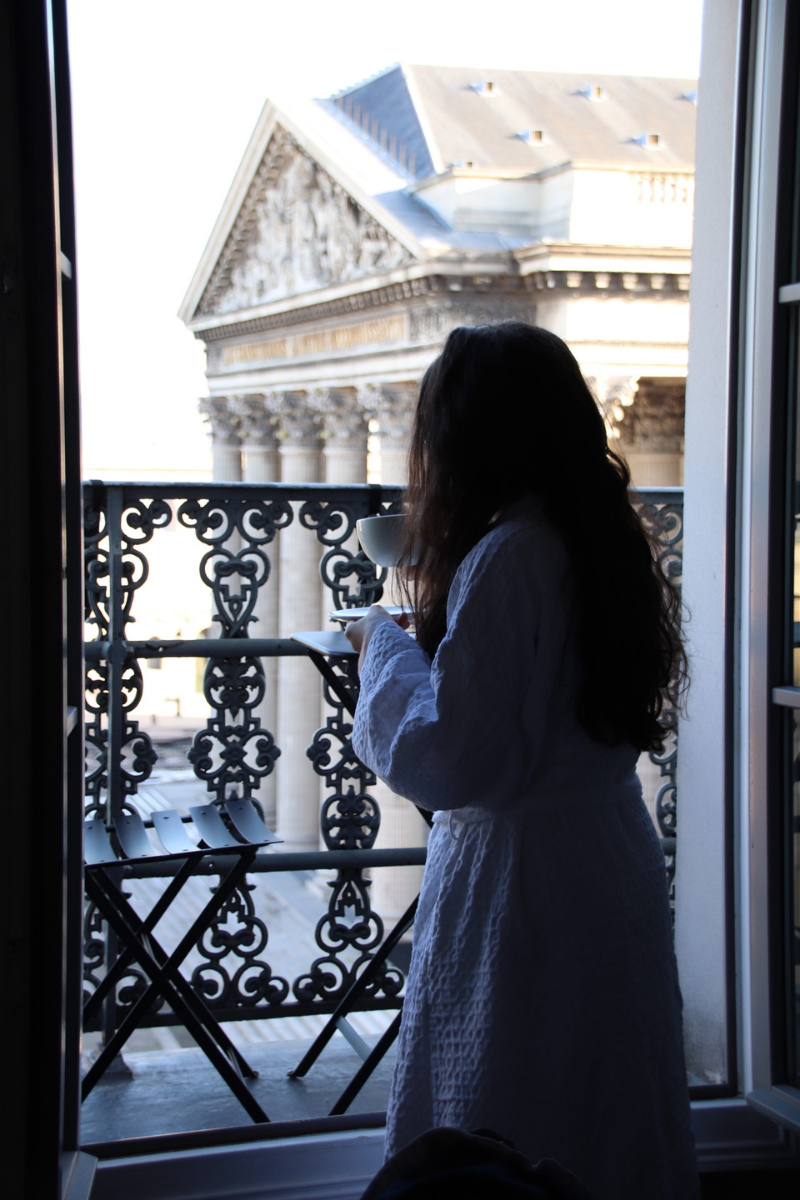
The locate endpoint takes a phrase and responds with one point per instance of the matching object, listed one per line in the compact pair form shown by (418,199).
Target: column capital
(222,420)
(614,394)
(397,404)
(343,420)
(368,397)
(257,425)
(295,423)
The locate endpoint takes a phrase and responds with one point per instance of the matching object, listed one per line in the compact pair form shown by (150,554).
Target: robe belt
(552,800)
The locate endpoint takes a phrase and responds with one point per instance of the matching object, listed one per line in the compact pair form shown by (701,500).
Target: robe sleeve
(450,733)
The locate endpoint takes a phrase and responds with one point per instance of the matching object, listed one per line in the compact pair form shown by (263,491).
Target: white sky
(165,96)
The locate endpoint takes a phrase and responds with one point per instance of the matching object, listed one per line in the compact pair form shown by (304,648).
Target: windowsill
(780,1104)
(730,1135)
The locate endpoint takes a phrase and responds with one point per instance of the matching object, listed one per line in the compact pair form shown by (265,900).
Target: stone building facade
(360,229)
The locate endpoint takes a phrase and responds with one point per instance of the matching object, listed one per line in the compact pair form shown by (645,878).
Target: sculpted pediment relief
(297,230)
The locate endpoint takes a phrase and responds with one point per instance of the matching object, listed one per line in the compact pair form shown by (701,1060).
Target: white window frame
(723,882)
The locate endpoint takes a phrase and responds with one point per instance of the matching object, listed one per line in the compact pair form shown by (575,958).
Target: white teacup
(382,538)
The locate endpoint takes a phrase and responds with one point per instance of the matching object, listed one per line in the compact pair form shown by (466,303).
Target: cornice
(505,271)
(500,265)
(514,176)
(598,257)
(364,302)
(538,285)
(345,306)
(630,284)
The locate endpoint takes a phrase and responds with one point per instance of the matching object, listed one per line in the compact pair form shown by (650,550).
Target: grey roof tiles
(445,117)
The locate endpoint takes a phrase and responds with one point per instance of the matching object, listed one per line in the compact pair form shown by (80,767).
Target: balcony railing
(236,527)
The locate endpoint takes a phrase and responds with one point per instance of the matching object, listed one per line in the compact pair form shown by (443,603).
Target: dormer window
(486,87)
(534,137)
(690,96)
(594,92)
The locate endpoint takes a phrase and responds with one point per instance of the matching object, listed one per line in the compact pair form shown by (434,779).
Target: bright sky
(165,96)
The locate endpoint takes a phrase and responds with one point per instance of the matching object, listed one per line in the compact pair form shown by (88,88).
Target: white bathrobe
(542,1000)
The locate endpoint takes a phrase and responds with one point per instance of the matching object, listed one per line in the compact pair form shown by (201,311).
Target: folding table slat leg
(367,1067)
(124,958)
(172,962)
(354,991)
(163,985)
(190,996)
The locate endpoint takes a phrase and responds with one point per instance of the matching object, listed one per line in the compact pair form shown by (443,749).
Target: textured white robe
(542,999)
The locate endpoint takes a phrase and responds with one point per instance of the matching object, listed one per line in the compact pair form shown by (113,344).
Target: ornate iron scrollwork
(350,817)
(234,751)
(252,983)
(138,520)
(666,522)
(352,578)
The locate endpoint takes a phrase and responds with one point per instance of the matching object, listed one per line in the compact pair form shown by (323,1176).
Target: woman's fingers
(359,632)
(354,632)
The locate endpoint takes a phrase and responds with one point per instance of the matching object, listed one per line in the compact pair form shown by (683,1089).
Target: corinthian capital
(614,394)
(222,419)
(256,422)
(343,420)
(368,396)
(295,423)
(396,406)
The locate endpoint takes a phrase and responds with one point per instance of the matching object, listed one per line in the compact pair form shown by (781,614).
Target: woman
(542,999)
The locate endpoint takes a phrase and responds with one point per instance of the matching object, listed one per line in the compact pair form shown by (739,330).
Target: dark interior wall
(39,476)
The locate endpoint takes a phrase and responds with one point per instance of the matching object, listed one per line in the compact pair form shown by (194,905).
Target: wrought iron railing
(235,524)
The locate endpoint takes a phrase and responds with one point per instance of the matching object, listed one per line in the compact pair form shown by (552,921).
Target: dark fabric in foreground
(445,1163)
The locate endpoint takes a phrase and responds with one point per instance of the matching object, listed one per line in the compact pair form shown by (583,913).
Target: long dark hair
(503,413)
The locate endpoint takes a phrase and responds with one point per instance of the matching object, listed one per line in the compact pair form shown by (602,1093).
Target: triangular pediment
(297,230)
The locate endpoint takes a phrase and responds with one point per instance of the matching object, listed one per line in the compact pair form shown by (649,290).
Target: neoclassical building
(361,228)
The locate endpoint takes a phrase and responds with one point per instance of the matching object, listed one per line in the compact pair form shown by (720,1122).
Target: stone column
(299,608)
(225,444)
(344,430)
(262,465)
(226,462)
(396,405)
(257,431)
(401,825)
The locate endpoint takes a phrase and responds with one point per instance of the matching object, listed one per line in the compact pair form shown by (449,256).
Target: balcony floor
(174,1091)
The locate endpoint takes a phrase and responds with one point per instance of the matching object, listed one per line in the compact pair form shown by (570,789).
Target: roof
(379,139)
(450,116)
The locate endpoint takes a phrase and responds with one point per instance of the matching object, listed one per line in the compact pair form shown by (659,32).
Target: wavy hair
(504,413)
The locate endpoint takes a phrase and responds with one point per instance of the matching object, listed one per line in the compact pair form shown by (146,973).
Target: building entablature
(377,291)
(389,312)
(504,272)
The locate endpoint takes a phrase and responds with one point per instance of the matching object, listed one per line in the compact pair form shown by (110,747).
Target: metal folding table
(236,832)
